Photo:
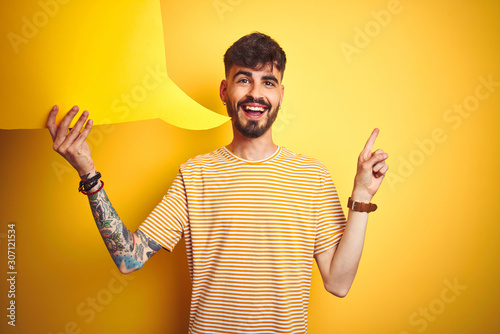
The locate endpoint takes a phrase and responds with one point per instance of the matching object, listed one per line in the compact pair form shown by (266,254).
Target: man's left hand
(371,170)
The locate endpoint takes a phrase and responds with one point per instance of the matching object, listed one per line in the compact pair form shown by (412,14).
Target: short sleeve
(331,220)
(168,220)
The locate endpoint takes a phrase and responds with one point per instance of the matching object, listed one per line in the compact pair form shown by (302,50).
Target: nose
(255,92)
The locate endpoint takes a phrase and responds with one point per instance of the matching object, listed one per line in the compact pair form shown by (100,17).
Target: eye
(269,83)
(243,80)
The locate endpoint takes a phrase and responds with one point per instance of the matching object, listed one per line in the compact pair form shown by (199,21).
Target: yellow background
(437,222)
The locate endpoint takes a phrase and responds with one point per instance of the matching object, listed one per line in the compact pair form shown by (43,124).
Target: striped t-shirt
(251,230)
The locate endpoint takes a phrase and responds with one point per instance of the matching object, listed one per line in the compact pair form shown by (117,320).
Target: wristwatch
(360,206)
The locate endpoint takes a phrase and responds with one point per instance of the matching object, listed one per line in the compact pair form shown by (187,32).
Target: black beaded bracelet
(87,187)
(90,183)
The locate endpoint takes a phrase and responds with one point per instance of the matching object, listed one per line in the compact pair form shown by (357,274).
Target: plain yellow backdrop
(425,73)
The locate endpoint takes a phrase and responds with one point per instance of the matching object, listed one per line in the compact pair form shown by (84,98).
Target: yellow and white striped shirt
(251,230)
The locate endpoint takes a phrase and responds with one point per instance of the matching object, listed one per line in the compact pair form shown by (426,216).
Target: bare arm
(339,264)
(129,250)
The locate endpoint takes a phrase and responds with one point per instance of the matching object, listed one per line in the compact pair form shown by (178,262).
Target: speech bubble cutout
(107,57)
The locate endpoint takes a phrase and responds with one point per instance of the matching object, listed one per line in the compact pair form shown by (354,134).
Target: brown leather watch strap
(360,206)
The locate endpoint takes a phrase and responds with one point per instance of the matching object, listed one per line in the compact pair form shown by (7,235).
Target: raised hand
(129,250)
(371,170)
(70,143)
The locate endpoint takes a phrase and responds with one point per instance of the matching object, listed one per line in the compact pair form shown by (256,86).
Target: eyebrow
(241,72)
(249,74)
(270,77)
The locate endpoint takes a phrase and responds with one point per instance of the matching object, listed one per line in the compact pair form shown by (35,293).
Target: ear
(223,90)
(282,94)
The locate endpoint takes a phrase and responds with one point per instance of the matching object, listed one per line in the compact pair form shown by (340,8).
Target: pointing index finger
(371,140)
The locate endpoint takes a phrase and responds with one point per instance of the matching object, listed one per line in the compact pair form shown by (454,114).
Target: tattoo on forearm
(124,246)
(152,245)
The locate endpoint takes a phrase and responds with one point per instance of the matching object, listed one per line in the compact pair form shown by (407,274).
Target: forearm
(339,265)
(346,259)
(128,250)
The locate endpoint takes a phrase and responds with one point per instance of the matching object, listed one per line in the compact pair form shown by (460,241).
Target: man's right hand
(70,143)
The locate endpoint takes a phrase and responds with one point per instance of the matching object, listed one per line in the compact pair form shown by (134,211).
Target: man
(253,214)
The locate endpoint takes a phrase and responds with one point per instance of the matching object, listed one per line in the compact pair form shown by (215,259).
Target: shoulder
(302,161)
(207,159)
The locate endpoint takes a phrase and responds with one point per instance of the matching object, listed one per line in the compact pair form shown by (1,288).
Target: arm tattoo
(129,250)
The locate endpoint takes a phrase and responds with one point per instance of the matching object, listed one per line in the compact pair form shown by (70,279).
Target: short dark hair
(254,51)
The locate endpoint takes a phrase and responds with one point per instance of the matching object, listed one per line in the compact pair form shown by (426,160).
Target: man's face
(253,98)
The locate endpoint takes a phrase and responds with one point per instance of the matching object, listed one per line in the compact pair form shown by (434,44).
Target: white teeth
(254,108)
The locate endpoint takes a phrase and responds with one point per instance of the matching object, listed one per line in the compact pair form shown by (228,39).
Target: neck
(252,149)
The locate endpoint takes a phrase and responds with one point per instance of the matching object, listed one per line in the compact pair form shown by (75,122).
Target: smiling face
(253,98)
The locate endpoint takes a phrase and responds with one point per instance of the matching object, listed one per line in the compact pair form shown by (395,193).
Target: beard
(251,128)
